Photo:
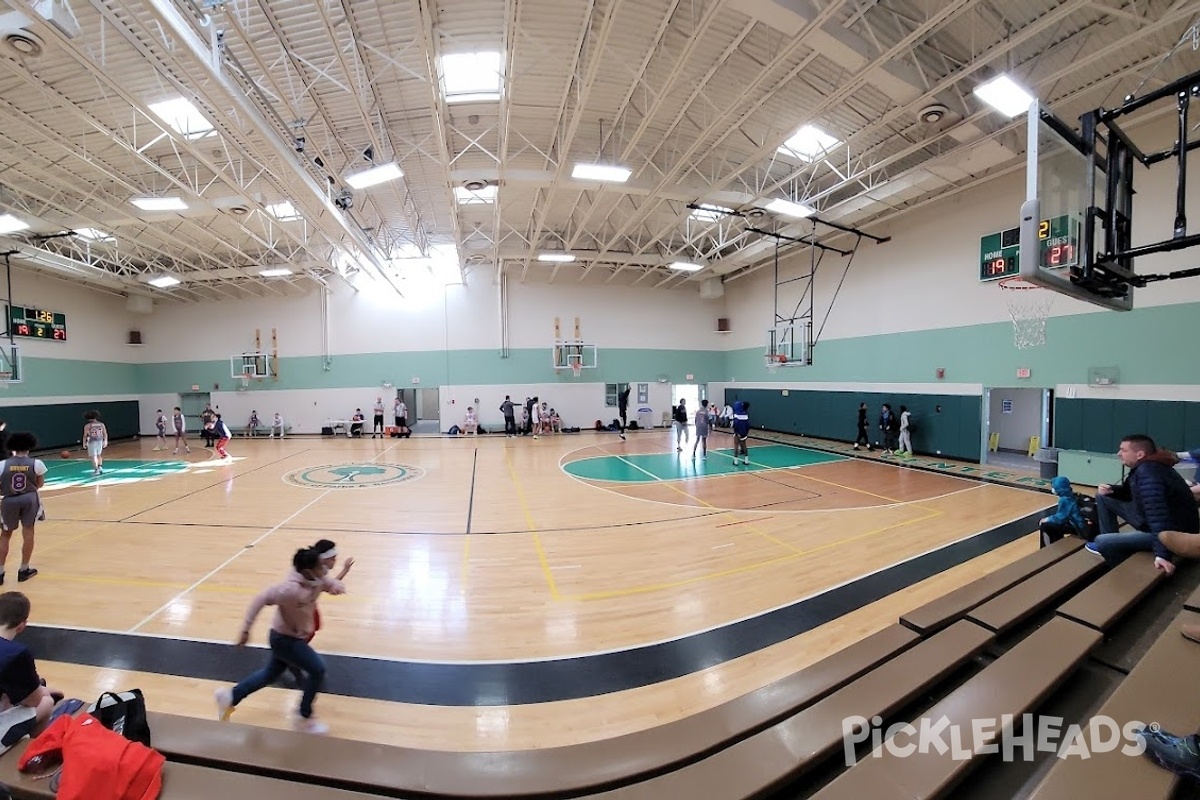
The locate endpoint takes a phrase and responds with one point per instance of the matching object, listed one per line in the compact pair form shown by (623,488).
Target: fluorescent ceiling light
(710,213)
(601,172)
(94,234)
(163,281)
(374,176)
(10,224)
(1002,94)
(471,77)
(275,272)
(159,203)
(469,197)
(687,266)
(790,209)
(560,258)
(183,117)
(809,143)
(284,211)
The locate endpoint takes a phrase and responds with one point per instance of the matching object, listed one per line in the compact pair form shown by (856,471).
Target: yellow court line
(537,540)
(614,593)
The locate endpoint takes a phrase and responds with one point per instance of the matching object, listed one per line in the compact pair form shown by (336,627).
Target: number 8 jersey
(17,475)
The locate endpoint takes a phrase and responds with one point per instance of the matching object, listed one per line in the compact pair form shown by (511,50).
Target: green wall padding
(1097,424)
(61,426)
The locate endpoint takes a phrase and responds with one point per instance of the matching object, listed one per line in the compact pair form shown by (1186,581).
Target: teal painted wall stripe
(436,368)
(60,377)
(1136,341)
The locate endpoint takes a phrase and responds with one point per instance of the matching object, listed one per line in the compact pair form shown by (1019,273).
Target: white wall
(97,323)
(1024,421)
(579,404)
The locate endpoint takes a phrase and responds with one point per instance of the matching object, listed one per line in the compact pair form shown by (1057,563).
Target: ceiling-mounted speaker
(711,289)
(723,325)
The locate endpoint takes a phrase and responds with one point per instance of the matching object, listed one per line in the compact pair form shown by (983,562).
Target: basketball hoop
(577,368)
(245,382)
(1029,310)
(775,361)
(5,379)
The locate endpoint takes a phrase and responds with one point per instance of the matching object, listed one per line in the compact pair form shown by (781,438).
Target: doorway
(688,392)
(192,404)
(1012,416)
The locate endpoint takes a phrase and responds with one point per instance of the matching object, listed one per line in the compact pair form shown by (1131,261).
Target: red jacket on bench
(97,763)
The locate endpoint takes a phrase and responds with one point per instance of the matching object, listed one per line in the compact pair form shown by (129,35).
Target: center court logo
(353,476)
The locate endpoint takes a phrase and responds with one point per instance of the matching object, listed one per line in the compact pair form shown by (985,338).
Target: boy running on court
(327,554)
(702,420)
(295,601)
(178,426)
(20,479)
(95,439)
(223,434)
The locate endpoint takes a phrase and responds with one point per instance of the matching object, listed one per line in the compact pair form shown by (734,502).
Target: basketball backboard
(788,344)
(568,354)
(1060,198)
(250,365)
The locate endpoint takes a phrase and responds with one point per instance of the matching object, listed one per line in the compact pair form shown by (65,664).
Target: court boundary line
(606,651)
(721,451)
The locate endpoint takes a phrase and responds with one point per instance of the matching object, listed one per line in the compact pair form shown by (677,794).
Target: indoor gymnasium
(714,399)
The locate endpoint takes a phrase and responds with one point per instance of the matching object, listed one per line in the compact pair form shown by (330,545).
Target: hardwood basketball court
(500,584)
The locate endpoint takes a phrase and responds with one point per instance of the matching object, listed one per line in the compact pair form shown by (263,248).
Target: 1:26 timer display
(36,323)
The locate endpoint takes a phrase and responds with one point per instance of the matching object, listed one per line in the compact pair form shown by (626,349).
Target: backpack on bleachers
(1091,518)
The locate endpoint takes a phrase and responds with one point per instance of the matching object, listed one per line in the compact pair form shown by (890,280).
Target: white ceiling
(693,97)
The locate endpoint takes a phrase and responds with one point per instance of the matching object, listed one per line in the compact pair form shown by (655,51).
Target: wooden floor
(483,550)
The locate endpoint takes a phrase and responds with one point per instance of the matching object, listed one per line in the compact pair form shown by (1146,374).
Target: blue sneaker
(1177,754)
(1092,549)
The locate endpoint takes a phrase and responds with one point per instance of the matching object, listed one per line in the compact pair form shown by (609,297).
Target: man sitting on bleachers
(1152,498)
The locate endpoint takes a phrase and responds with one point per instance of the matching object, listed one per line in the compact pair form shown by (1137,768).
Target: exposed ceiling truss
(694,97)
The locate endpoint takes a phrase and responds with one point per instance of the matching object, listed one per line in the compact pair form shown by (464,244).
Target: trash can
(645,417)
(1047,458)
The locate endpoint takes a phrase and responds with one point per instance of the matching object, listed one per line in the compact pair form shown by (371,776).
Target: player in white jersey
(20,479)
(95,439)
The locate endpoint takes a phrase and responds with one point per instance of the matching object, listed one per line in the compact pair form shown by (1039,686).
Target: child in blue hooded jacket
(741,431)
(1067,518)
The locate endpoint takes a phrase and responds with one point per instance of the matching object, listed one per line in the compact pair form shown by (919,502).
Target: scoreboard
(1058,246)
(36,323)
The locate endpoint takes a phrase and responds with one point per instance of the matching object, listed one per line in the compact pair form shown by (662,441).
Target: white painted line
(723,546)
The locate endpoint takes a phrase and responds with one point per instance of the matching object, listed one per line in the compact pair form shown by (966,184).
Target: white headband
(328,554)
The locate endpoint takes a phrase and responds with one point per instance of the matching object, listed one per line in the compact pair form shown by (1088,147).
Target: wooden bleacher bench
(594,764)
(1013,684)
(1193,601)
(951,607)
(1100,605)
(180,782)
(792,748)
(1162,688)
(1026,598)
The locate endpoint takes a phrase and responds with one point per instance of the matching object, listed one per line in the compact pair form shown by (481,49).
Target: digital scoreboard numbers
(36,323)
(1058,246)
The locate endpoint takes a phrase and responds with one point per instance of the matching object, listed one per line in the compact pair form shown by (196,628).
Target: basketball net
(775,361)
(5,379)
(245,379)
(1029,307)
(576,368)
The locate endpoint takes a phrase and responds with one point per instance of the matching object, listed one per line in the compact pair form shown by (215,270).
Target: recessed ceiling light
(183,117)
(274,272)
(10,224)
(1004,95)
(468,197)
(94,234)
(159,203)
(710,213)
(601,172)
(375,175)
(163,281)
(471,77)
(809,143)
(687,266)
(789,209)
(283,211)
(559,258)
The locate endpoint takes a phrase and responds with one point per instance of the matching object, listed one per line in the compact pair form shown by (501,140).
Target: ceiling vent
(238,210)
(931,115)
(475,186)
(23,43)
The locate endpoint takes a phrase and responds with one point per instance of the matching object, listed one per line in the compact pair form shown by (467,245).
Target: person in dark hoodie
(1067,520)
(862,428)
(1152,498)
(741,431)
